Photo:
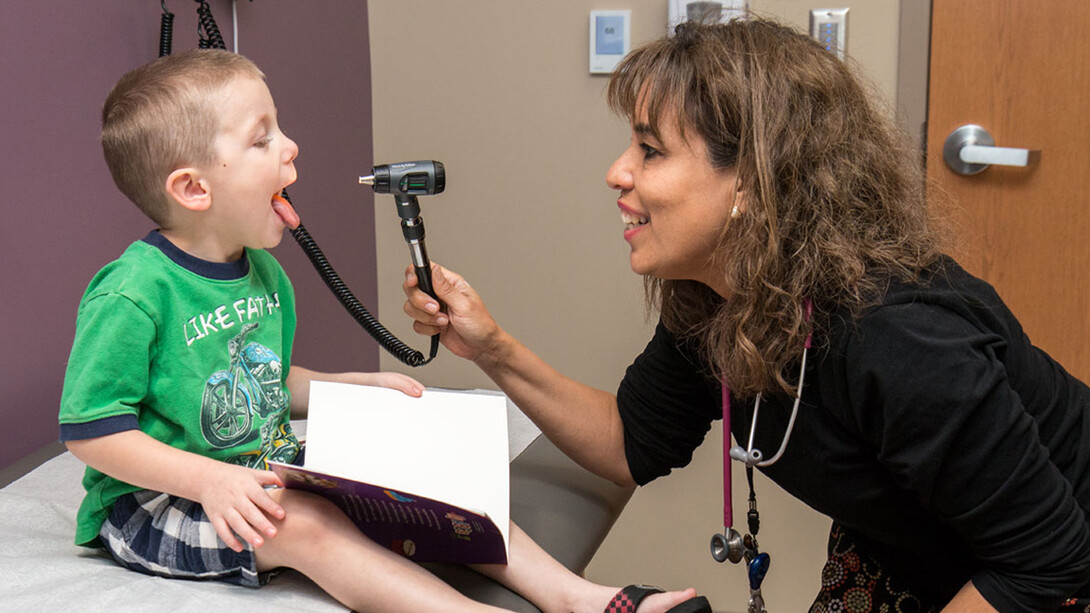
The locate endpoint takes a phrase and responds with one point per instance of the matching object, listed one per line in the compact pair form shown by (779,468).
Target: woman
(766,200)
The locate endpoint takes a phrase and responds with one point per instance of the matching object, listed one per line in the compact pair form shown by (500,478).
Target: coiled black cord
(208,33)
(166,30)
(388,341)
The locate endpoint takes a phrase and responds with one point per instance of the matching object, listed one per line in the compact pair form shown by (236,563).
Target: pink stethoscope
(730,545)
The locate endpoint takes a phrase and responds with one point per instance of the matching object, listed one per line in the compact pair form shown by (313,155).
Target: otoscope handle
(423,280)
(413,229)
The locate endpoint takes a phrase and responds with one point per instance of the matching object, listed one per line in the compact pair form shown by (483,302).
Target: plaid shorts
(168,536)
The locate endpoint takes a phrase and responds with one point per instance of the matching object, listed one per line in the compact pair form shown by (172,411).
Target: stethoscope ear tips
(749,458)
(727,546)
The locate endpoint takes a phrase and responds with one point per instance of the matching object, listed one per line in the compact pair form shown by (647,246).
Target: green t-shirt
(193,353)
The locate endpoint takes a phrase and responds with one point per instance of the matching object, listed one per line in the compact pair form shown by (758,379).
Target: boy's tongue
(287,214)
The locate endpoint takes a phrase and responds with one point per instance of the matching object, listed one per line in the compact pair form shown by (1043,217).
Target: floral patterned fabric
(855,583)
(852,582)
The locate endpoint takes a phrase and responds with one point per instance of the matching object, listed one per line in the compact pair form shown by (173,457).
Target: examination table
(564,508)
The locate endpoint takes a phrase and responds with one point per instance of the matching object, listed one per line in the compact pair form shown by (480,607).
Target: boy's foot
(650,599)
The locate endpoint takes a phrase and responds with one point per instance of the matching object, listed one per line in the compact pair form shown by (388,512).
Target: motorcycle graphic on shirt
(251,386)
(278,444)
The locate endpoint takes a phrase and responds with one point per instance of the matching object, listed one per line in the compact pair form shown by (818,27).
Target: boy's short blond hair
(164,116)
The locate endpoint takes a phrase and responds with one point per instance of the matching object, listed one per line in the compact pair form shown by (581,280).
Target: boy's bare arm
(299,379)
(234,497)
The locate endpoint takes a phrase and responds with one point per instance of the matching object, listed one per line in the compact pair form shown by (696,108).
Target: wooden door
(1021,69)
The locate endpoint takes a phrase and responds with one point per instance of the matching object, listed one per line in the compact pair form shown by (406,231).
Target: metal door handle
(970,149)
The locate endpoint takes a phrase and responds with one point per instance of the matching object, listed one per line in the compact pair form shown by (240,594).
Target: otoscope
(406,181)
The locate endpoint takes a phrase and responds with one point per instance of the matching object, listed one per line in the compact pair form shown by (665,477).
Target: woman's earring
(734,212)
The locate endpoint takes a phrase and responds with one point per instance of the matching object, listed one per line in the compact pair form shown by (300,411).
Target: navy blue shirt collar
(220,271)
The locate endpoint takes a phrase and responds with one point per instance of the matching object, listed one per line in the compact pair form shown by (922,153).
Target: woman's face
(673,203)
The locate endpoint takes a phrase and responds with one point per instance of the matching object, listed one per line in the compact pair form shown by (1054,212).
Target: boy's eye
(263,142)
(649,151)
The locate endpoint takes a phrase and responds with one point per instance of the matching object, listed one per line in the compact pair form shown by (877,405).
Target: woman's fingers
(424,322)
(419,305)
(426,330)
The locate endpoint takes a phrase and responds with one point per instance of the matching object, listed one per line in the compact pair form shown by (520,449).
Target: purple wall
(64,219)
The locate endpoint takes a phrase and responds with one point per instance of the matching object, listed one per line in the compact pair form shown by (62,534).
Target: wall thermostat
(610,39)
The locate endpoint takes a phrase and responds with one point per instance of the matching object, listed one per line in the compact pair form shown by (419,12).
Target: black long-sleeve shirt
(930,428)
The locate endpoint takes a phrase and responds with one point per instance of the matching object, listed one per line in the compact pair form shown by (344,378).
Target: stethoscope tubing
(730,545)
(753,456)
(728,507)
(750,456)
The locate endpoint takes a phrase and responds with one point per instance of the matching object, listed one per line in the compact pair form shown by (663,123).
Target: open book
(426,477)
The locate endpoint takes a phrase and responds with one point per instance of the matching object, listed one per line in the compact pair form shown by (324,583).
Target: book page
(449,446)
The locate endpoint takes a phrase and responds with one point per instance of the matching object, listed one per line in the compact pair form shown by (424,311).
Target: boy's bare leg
(539,578)
(318,540)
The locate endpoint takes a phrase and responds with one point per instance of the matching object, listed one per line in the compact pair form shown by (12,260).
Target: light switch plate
(830,28)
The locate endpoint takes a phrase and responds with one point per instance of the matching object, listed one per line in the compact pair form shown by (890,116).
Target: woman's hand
(465,326)
(592,436)
(236,502)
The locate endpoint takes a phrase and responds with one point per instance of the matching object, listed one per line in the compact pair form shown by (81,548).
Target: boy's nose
(291,150)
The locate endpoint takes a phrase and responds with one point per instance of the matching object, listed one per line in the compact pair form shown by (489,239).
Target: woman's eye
(648,151)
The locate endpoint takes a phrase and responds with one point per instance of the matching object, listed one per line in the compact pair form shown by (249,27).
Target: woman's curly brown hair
(833,192)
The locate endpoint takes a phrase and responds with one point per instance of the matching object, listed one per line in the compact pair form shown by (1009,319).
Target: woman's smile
(633,221)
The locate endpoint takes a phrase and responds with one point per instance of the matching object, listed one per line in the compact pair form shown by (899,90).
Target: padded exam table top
(564,508)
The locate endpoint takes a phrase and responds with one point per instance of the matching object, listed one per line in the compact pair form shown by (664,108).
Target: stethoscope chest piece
(727,546)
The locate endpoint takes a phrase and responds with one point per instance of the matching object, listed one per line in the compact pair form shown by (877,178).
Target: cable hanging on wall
(166,30)
(208,33)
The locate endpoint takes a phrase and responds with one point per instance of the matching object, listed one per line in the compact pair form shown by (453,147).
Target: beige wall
(498,90)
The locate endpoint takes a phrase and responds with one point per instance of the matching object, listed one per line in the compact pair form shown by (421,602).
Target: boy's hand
(393,380)
(299,380)
(236,502)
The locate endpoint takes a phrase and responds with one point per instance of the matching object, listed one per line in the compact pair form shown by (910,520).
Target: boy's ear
(189,189)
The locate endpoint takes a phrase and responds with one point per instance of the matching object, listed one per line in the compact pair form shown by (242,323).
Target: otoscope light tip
(367,180)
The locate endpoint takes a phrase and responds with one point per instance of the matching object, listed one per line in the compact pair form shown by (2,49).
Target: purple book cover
(421,529)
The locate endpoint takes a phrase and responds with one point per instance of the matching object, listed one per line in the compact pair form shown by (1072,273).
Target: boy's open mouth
(286,212)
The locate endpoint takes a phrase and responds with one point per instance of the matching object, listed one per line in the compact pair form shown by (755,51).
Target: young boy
(180,383)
